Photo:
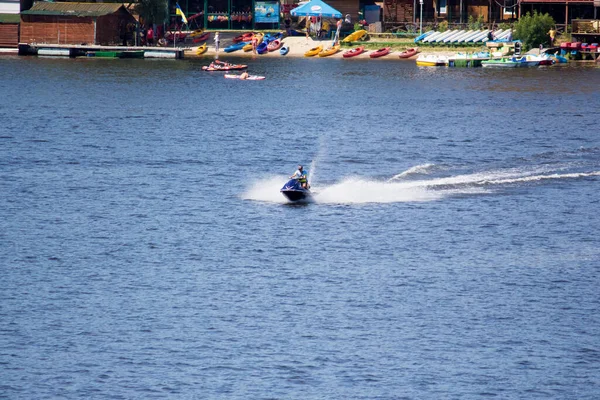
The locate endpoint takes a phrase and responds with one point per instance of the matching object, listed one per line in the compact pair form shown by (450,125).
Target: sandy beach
(298,45)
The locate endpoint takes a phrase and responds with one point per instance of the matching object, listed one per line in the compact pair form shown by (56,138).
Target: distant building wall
(9,35)
(56,29)
(346,7)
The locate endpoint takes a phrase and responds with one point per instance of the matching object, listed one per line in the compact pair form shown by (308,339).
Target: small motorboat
(313,52)
(248,78)
(262,48)
(235,47)
(201,49)
(284,50)
(354,52)
(223,66)
(380,53)
(274,45)
(294,191)
(329,51)
(409,52)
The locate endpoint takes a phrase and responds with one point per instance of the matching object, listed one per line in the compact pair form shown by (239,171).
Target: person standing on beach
(337,32)
(552,34)
(217,41)
(254,43)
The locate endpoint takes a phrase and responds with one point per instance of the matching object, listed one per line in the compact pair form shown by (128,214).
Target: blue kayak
(262,48)
(235,47)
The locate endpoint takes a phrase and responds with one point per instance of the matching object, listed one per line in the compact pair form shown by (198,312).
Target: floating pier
(66,50)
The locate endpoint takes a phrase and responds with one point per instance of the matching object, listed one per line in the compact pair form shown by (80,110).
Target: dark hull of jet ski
(293,191)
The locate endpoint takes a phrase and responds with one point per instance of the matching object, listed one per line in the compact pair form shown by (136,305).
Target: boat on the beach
(355,36)
(235,47)
(223,66)
(329,51)
(274,45)
(197,33)
(499,63)
(313,52)
(262,48)
(294,191)
(380,53)
(248,78)
(284,50)
(247,47)
(201,49)
(431,60)
(244,37)
(409,52)
(202,38)
(354,52)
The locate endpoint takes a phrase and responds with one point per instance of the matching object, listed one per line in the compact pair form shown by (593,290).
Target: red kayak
(223,66)
(244,37)
(202,38)
(354,52)
(380,53)
(409,52)
(274,45)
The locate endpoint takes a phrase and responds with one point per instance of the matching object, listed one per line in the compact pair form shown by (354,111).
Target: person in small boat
(301,176)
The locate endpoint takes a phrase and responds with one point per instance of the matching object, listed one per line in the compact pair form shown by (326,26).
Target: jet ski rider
(301,176)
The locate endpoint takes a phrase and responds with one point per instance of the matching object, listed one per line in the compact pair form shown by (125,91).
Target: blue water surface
(452,250)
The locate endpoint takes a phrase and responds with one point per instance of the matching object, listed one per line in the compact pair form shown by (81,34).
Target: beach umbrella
(316,8)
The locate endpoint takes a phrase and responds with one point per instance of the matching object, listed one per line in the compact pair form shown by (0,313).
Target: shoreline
(299,45)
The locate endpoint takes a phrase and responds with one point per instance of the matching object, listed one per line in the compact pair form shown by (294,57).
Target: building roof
(10,18)
(73,9)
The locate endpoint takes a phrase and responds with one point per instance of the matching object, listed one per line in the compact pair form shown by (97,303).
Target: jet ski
(294,191)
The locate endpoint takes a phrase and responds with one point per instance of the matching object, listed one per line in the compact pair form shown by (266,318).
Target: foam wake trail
(535,178)
(360,191)
(266,190)
(363,191)
(416,170)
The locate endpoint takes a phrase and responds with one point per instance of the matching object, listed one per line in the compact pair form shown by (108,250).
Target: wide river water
(452,250)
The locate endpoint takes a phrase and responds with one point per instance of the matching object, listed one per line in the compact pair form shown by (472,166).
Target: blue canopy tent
(316,8)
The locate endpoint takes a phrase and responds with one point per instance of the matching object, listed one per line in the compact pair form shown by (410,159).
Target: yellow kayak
(247,47)
(197,32)
(353,37)
(330,51)
(260,38)
(201,49)
(313,52)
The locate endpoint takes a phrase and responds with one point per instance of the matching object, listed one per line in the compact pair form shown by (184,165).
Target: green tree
(532,30)
(152,11)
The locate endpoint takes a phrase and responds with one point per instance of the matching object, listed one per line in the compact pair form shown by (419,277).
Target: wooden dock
(70,50)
